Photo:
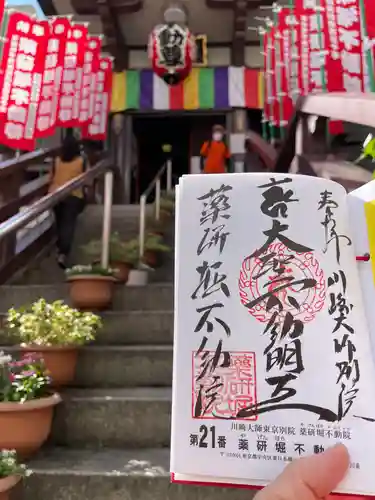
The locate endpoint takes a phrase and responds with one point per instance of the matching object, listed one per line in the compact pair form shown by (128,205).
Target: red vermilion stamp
(226,391)
(280,272)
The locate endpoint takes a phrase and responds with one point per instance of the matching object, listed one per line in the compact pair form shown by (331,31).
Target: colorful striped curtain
(205,88)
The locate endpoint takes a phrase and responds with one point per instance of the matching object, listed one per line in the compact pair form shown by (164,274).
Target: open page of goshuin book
(272,350)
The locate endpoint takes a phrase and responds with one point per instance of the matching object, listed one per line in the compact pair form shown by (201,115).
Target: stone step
(92,231)
(125,328)
(155,296)
(121,366)
(48,273)
(125,221)
(118,211)
(110,474)
(118,418)
(125,366)
(136,327)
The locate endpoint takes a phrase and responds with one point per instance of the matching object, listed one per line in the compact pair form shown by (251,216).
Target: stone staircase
(111,435)
(125,221)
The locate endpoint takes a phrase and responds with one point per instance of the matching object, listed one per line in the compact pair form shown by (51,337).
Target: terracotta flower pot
(151,258)
(6,484)
(165,216)
(91,292)
(158,232)
(24,427)
(121,270)
(60,361)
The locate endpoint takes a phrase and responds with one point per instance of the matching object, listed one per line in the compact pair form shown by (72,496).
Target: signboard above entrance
(205,88)
(201,58)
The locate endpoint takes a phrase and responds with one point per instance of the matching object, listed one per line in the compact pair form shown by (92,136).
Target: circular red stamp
(262,276)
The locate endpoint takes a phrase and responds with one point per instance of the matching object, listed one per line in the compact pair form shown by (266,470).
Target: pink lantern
(171,50)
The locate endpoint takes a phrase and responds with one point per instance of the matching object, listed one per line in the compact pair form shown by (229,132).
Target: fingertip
(323,472)
(339,455)
(340,450)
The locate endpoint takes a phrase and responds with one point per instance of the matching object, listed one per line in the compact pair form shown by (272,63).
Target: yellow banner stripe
(370,221)
(191,90)
(118,92)
(260,89)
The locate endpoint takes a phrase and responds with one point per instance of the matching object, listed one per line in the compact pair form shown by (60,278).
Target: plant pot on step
(165,216)
(152,259)
(138,277)
(121,270)
(24,427)
(60,361)
(158,232)
(51,333)
(6,484)
(90,291)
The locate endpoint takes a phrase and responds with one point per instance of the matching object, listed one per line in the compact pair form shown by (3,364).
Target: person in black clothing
(69,165)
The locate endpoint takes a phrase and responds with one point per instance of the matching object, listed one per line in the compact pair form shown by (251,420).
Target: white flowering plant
(9,465)
(89,270)
(49,324)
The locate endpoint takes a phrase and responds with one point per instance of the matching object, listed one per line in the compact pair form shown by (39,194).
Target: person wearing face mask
(215,154)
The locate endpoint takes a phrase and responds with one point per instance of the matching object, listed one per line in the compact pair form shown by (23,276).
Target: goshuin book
(274,309)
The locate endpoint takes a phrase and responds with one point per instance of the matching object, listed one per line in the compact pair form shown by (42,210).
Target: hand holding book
(274,334)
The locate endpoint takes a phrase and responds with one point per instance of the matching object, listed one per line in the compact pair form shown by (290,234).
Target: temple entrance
(152,132)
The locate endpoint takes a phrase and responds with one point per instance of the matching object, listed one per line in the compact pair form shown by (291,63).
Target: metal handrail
(8,166)
(353,107)
(154,184)
(47,202)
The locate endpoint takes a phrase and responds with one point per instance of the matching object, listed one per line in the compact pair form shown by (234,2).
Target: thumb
(309,478)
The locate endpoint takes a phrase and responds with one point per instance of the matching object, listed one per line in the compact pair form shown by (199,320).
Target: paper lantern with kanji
(171,50)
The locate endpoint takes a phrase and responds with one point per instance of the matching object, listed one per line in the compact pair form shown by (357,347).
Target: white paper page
(356,205)
(217,434)
(176,281)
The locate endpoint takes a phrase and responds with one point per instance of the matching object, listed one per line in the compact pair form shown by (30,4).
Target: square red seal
(225,390)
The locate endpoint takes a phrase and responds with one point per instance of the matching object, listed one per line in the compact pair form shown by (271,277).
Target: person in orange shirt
(215,154)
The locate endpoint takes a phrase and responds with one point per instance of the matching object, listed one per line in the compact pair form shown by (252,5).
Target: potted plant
(91,287)
(10,472)
(26,404)
(167,207)
(117,256)
(157,227)
(154,247)
(55,331)
(138,275)
(168,195)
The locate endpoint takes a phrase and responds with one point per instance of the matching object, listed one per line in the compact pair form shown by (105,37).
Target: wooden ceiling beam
(115,42)
(241,9)
(239,32)
(210,45)
(231,4)
(89,8)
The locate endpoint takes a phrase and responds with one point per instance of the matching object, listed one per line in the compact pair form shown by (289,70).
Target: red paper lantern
(171,50)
